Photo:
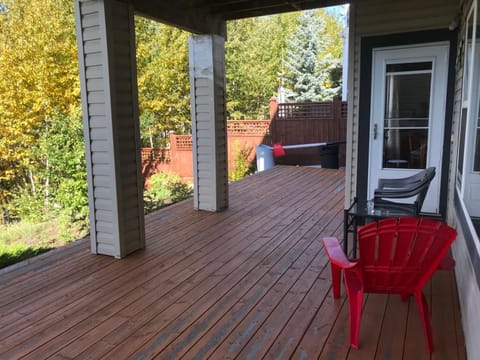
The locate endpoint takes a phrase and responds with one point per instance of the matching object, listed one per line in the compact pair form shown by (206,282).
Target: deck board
(251,282)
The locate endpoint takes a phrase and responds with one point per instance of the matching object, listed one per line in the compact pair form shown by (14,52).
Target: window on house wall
(468,165)
(467,65)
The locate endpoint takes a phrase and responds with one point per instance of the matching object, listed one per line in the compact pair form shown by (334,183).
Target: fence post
(273,107)
(173,142)
(337,116)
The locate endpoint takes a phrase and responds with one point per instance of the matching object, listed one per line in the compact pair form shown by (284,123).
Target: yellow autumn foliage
(39,75)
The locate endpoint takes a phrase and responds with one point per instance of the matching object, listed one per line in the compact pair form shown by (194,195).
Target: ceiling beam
(235,9)
(190,19)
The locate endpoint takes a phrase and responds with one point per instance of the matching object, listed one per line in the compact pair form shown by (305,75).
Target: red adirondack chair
(397,256)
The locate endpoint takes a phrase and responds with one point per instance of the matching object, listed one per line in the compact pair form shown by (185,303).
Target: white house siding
(467,282)
(207,79)
(110,116)
(468,293)
(377,18)
(381,17)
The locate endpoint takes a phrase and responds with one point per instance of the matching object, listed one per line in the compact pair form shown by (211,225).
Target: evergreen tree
(311,67)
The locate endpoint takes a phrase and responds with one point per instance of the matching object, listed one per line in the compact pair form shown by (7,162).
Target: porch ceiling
(208,16)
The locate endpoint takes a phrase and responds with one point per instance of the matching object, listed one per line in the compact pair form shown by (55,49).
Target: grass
(23,240)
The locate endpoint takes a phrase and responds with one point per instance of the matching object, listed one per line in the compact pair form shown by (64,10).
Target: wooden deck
(251,282)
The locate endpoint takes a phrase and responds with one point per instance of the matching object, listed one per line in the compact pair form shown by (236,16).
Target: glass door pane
(407,114)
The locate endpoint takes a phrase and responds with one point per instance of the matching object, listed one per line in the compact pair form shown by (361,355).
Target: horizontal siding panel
(124,122)
(206,202)
(102,180)
(96,110)
(203,150)
(101,157)
(104,215)
(122,62)
(205,175)
(96,97)
(127,168)
(99,145)
(127,147)
(123,112)
(95,84)
(130,193)
(203,108)
(202,82)
(91,19)
(203,134)
(94,59)
(203,91)
(204,117)
(102,169)
(99,134)
(132,246)
(122,49)
(131,197)
(132,235)
(92,33)
(203,125)
(129,182)
(202,100)
(92,46)
(103,204)
(105,249)
(106,227)
(105,193)
(201,158)
(89,7)
(128,157)
(125,97)
(98,121)
(95,72)
(122,34)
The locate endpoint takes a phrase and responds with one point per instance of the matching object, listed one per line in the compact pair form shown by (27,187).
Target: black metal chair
(416,185)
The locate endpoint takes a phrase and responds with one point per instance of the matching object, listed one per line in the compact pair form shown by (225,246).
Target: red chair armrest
(447,263)
(335,253)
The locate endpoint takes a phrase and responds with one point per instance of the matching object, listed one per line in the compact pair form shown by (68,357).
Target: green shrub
(11,254)
(165,189)
(242,164)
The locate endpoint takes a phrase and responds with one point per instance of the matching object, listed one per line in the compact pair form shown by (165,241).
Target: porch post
(209,134)
(106,51)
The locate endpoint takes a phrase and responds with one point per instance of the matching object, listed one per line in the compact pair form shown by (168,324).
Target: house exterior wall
(370,18)
(207,96)
(377,17)
(466,254)
(105,36)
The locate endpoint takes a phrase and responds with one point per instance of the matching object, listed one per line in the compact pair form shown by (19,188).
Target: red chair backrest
(400,255)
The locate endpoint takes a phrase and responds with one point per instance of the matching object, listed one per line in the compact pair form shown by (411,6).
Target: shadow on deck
(249,282)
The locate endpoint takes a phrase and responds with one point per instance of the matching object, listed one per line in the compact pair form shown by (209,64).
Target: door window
(407,113)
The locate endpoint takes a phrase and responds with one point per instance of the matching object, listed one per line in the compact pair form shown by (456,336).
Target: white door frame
(437,53)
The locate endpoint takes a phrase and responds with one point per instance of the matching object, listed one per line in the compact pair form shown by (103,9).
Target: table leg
(345,231)
(354,241)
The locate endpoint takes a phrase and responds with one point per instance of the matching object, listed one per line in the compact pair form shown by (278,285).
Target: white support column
(207,98)
(106,51)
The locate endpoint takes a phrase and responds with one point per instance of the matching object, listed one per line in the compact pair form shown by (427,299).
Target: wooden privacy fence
(303,123)
(289,124)
(243,135)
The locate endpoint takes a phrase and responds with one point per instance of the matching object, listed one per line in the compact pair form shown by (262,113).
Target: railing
(158,154)
(248,127)
(300,123)
(289,124)
(304,123)
(181,141)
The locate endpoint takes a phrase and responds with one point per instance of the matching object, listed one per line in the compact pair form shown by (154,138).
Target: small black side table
(363,211)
